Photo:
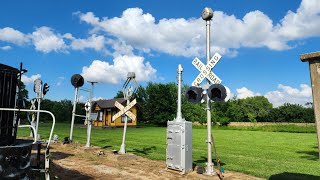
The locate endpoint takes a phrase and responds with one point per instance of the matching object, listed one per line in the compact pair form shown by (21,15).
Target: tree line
(157,104)
(62,110)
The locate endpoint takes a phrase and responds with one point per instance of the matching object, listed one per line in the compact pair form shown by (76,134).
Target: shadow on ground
(293,176)
(145,150)
(107,146)
(310,155)
(203,160)
(58,172)
(60,155)
(104,141)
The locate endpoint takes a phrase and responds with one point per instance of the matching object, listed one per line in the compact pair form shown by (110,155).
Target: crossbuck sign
(124,110)
(205,70)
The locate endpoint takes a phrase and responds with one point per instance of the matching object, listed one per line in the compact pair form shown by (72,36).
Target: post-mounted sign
(124,110)
(205,70)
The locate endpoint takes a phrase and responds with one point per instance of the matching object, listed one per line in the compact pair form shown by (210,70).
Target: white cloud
(104,72)
(68,36)
(121,48)
(45,40)
(303,23)
(6,48)
(97,98)
(284,94)
(186,37)
(287,94)
(88,17)
(28,80)
(244,92)
(94,42)
(11,35)
(138,30)
(60,81)
(82,99)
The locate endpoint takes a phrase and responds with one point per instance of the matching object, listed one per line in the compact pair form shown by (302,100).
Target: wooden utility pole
(314,65)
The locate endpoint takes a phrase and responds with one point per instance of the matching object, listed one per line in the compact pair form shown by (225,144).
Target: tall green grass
(258,153)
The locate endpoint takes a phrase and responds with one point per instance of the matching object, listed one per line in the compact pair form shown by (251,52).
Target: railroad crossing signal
(205,70)
(216,91)
(124,110)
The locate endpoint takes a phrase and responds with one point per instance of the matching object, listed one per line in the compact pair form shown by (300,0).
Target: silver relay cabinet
(179,146)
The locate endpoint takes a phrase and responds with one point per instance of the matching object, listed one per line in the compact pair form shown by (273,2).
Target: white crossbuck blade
(205,71)
(124,110)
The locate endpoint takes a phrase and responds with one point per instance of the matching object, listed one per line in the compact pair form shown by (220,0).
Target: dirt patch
(77,162)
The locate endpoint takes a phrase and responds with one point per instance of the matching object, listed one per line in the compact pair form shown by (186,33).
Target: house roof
(106,104)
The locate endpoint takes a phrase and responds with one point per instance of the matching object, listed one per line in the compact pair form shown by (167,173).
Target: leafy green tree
(193,112)
(79,110)
(256,109)
(160,103)
(234,111)
(219,112)
(308,116)
(141,96)
(292,112)
(46,104)
(275,116)
(23,100)
(62,110)
(119,95)
(23,91)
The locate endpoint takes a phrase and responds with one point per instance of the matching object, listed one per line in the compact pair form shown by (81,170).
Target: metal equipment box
(179,146)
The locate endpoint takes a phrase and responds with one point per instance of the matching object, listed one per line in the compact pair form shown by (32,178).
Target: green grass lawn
(258,153)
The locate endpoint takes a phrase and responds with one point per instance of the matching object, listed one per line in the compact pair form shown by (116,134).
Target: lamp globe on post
(207,14)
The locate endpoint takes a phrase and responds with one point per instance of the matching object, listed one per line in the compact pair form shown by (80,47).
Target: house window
(100,116)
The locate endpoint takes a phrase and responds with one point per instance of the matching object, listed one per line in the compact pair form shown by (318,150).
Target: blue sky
(260,43)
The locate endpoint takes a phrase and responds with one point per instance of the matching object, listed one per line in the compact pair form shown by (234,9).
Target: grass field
(273,155)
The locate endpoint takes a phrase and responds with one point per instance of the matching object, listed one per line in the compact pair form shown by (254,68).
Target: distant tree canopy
(157,104)
(62,110)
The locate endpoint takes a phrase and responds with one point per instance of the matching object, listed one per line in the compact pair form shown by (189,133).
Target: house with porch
(106,109)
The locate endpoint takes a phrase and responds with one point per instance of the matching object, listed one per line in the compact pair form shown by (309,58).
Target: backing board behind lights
(77,80)
(216,93)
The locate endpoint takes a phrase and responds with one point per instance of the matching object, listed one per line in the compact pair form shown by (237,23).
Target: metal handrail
(33,129)
(43,111)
